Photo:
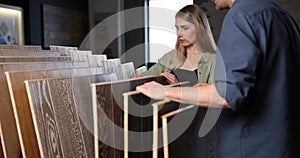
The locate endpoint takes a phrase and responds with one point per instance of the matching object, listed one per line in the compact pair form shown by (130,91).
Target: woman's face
(186,32)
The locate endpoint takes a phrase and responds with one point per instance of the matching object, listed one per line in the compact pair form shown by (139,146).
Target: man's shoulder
(251,7)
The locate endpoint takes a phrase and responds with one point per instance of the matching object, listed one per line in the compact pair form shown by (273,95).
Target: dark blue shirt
(257,70)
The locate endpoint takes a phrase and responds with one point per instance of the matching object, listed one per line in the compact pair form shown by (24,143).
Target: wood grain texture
(108,101)
(113,66)
(13,52)
(21,106)
(127,70)
(65,103)
(64,50)
(21,47)
(1,151)
(34,59)
(9,137)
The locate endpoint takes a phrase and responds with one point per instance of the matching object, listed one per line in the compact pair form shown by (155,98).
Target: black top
(189,144)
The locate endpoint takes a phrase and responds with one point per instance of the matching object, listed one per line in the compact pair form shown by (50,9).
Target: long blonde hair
(205,42)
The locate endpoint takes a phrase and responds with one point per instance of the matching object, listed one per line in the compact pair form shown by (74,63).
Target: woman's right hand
(171,79)
(135,76)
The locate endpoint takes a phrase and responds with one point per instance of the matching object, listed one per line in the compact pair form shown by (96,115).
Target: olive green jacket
(206,67)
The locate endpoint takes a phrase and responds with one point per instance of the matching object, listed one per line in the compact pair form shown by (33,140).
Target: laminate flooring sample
(9,136)
(108,111)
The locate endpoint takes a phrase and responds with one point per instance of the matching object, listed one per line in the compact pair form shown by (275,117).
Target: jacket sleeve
(163,65)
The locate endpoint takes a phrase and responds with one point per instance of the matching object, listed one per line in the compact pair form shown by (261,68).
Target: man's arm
(203,95)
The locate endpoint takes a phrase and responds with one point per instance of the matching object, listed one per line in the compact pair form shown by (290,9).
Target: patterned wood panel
(61,28)
(62,103)
(9,135)
(33,59)
(21,106)
(108,101)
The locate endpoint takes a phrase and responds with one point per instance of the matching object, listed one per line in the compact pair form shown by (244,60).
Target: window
(162,32)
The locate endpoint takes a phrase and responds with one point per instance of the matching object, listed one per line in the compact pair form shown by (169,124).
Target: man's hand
(153,90)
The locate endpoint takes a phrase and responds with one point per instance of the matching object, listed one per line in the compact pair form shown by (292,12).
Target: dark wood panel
(9,135)
(33,59)
(60,28)
(108,99)
(65,101)
(1,151)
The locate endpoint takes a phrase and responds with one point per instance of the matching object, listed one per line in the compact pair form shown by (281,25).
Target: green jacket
(206,67)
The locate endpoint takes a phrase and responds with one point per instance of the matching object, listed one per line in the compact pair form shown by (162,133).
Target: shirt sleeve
(163,65)
(237,60)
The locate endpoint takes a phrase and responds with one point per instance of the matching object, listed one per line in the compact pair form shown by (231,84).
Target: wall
(33,15)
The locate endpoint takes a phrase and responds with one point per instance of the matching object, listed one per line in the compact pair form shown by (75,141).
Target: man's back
(259,46)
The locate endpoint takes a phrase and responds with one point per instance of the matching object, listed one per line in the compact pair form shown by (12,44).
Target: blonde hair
(205,43)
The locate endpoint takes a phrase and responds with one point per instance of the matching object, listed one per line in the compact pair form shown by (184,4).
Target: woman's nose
(179,33)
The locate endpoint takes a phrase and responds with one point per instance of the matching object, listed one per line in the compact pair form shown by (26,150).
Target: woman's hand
(135,76)
(171,79)
(153,90)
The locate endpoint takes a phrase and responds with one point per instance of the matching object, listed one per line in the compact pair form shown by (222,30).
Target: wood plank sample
(33,59)
(21,106)
(108,110)
(21,47)
(127,70)
(1,151)
(64,50)
(9,136)
(8,52)
(61,107)
(112,66)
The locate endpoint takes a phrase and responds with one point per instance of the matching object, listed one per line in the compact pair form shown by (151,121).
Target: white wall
(162,32)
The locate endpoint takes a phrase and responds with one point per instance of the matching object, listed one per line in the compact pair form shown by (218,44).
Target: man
(256,81)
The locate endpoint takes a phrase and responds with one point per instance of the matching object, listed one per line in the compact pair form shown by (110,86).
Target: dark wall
(32,10)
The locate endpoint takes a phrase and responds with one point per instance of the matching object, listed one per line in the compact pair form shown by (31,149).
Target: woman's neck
(192,59)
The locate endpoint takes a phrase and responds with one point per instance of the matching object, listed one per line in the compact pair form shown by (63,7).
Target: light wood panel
(63,107)
(1,151)
(21,47)
(21,106)
(33,59)
(112,66)
(64,50)
(9,137)
(14,52)
(127,70)
(108,110)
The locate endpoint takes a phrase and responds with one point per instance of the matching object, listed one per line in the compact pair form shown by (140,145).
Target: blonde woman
(193,59)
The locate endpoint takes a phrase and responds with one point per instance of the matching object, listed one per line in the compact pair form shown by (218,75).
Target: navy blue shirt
(257,70)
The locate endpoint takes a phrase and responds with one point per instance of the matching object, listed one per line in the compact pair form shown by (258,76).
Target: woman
(194,50)
(193,59)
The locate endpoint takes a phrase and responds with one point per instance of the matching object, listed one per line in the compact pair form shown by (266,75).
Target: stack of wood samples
(20,101)
(33,58)
(9,136)
(21,47)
